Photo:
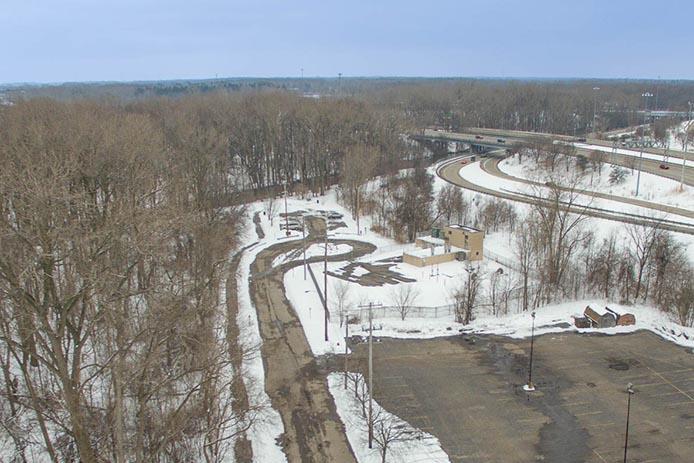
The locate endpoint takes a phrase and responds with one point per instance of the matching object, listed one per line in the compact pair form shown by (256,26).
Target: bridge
(439,141)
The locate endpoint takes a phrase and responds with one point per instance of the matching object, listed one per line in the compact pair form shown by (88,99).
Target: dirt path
(294,381)
(243,450)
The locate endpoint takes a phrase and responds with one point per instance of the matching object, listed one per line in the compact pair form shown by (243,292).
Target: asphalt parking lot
(467,392)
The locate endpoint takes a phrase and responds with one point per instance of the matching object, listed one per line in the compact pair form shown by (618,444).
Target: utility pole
(346,337)
(530,386)
(643,139)
(686,142)
(325,279)
(286,215)
(339,84)
(371,383)
(630,392)
(303,231)
(371,376)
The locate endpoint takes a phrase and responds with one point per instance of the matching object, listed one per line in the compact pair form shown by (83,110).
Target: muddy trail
(243,450)
(294,380)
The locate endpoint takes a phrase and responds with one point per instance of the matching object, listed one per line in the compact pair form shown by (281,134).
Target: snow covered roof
(432,240)
(465,228)
(438,250)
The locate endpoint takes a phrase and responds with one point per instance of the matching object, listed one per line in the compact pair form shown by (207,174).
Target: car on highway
(581,140)
(464,161)
(500,140)
(479,137)
(664,166)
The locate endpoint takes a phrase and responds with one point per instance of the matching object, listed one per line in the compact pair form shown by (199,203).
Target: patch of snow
(423,448)
(554,318)
(312,251)
(653,188)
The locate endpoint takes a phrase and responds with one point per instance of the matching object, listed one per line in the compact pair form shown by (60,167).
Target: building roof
(464,228)
(438,250)
(432,240)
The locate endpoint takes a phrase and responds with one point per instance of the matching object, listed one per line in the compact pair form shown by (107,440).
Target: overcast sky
(86,40)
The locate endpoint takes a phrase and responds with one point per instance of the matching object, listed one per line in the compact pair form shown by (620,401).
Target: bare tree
(498,291)
(642,241)
(388,430)
(450,203)
(271,207)
(341,294)
(358,166)
(683,297)
(465,296)
(403,296)
(559,230)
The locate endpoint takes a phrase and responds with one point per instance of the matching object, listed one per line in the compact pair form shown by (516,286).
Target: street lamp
(530,386)
(643,139)
(325,279)
(286,214)
(630,392)
(686,142)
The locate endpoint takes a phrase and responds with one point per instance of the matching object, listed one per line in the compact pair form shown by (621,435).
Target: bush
(617,175)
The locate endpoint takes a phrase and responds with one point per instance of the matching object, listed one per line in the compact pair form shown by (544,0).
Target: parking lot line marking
(670,383)
(571,404)
(599,456)
(597,412)
(600,425)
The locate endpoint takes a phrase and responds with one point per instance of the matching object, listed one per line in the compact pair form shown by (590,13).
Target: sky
(109,40)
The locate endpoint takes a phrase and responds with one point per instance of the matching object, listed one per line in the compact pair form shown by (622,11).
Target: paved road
(293,379)
(490,136)
(491,166)
(449,171)
(470,397)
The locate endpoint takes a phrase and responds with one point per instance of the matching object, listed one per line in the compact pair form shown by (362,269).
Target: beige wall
(428,260)
(466,239)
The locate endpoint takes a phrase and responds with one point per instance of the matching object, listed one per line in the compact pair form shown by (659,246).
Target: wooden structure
(606,320)
(592,319)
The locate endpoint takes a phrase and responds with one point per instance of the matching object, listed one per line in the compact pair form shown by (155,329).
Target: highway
(491,166)
(489,137)
(450,171)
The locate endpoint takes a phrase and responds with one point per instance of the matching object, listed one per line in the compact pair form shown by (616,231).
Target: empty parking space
(468,395)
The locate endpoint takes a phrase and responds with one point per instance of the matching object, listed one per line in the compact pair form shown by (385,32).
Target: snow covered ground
(653,188)
(432,289)
(675,142)
(555,318)
(474,173)
(433,286)
(312,251)
(629,152)
(422,448)
(263,433)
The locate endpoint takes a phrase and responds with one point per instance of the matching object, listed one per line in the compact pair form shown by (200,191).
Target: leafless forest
(118,216)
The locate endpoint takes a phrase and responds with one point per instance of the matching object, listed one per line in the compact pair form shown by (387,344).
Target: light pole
(643,139)
(303,231)
(595,106)
(630,392)
(530,386)
(286,215)
(371,384)
(686,142)
(325,279)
